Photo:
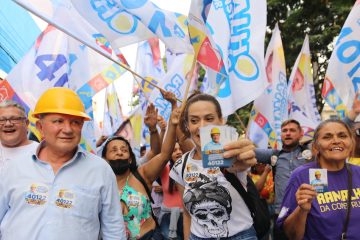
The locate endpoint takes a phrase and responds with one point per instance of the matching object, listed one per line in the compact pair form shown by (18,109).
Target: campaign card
(213,138)
(318,179)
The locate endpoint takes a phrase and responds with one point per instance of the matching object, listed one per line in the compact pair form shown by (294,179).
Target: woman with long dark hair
(171,217)
(134,182)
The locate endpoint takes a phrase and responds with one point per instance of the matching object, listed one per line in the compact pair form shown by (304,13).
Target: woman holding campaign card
(310,212)
(213,207)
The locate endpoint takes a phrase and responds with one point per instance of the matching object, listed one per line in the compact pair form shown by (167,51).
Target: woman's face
(334,143)
(177,153)
(200,114)
(117,150)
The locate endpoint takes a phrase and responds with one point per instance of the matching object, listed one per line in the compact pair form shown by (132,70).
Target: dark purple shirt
(327,215)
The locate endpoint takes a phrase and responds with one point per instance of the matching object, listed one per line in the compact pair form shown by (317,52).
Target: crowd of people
(54,189)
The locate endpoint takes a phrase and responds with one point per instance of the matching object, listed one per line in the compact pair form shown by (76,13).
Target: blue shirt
(213,146)
(79,202)
(286,163)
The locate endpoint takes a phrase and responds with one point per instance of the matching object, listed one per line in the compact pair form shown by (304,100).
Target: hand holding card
(318,179)
(213,138)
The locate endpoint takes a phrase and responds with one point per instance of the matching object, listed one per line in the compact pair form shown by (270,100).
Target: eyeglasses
(357,132)
(15,120)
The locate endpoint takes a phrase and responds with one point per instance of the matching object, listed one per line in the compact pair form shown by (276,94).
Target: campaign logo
(191,173)
(37,195)
(65,199)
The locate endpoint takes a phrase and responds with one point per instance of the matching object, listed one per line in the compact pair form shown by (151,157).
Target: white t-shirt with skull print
(216,208)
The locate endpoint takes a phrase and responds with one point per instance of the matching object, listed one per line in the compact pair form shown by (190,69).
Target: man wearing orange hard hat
(61,191)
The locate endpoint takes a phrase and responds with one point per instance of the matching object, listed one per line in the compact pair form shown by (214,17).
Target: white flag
(238,29)
(301,92)
(270,109)
(342,79)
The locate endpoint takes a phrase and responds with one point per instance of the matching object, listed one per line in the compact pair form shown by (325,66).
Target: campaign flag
(238,29)
(127,21)
(271,108)
(136,120)
(57,60)
(120,27)
(149,65)
(204,51)
(301,92)
(64,15)
(173,81)
(342,79)
(113,116)
(166,25)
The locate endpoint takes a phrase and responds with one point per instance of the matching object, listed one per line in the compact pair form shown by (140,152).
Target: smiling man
(60,191)
(13,132)
(285,161)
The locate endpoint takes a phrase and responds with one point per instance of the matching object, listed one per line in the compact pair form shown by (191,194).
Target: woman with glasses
(307,214)
(134,182)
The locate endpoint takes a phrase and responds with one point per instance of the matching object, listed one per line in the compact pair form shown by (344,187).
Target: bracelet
(153,131)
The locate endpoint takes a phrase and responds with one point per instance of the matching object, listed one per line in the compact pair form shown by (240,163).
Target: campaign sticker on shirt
(191,173)
(65,199)
(213,138)
(273,160)
(134,200)
(318,179)
(37,195)
(306,154)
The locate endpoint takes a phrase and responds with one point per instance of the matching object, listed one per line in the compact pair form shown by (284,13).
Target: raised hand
(175,116)
(150,118)
(162,123)
(169,96)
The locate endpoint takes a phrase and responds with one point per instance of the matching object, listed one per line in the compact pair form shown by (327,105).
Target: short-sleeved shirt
(80,201)
(327,215)
(216,208)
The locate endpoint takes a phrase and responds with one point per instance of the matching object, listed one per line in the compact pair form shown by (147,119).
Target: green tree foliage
(322,20)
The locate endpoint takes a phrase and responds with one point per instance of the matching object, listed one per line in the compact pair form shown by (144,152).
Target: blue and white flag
(271,108)
(301,92)
(125,22)
(342,79)
(238,29)
(57,60)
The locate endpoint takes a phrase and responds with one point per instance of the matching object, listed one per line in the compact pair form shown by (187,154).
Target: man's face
(318,176)
(61,132)
(215,137)
(290,135)
(13,132)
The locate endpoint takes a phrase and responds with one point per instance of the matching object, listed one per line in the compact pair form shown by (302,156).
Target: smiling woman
(303,209)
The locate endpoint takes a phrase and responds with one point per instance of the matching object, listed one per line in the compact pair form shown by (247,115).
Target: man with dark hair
(285,161)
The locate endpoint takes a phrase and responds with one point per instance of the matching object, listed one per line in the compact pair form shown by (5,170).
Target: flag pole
(96,50)
(241,123)
(188,84)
